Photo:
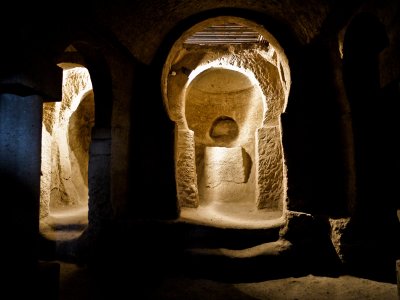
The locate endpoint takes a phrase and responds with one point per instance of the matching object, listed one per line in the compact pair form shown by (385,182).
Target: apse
(226,83)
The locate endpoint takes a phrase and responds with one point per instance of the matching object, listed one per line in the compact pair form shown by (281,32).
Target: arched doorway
(66,139)
(225,84)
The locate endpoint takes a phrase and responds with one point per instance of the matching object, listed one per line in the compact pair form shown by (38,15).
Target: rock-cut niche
(226,83)
(66,138)
(224,108)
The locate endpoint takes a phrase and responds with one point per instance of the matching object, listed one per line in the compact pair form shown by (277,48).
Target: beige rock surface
(76,284)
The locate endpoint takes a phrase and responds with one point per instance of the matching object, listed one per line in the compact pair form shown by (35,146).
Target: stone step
(203,236)
(267,260)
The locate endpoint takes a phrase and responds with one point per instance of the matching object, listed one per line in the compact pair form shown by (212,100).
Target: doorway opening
(225,84)
(66,138)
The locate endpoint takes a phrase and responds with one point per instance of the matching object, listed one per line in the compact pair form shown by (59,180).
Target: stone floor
(77,284)
(65,224)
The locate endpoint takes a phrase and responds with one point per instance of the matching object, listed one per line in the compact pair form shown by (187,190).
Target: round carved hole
(224,130)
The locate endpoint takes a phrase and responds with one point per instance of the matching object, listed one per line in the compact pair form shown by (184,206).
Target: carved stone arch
(80,165)
(265,68)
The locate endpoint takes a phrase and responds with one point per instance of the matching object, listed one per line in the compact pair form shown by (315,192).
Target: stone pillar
(186,176)
(20,147)
(270,188)
(99,177)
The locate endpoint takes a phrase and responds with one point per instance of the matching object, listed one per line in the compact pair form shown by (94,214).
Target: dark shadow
(371,241)
(20,237)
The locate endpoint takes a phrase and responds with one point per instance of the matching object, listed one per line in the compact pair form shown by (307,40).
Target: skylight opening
(226,33)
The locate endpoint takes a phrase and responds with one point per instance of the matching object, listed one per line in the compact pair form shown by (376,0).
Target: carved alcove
(225,84)
(66,139)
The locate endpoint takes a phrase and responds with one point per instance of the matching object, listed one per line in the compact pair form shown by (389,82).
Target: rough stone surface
(338,226)
(186,178)
(270,175)
(142,32)
(45,178)
(225,164)
(65,144)
(258,62)
(248,85)
(203,106)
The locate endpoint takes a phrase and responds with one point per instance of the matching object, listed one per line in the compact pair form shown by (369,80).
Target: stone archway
(217,88)
(66,138)
(224,109)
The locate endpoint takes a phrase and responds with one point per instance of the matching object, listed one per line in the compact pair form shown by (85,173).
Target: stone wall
(65,144)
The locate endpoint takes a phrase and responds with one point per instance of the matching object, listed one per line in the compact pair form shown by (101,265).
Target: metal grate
(227,33)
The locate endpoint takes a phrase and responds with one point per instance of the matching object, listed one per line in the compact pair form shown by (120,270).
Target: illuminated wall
(66,139)
(226,101)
